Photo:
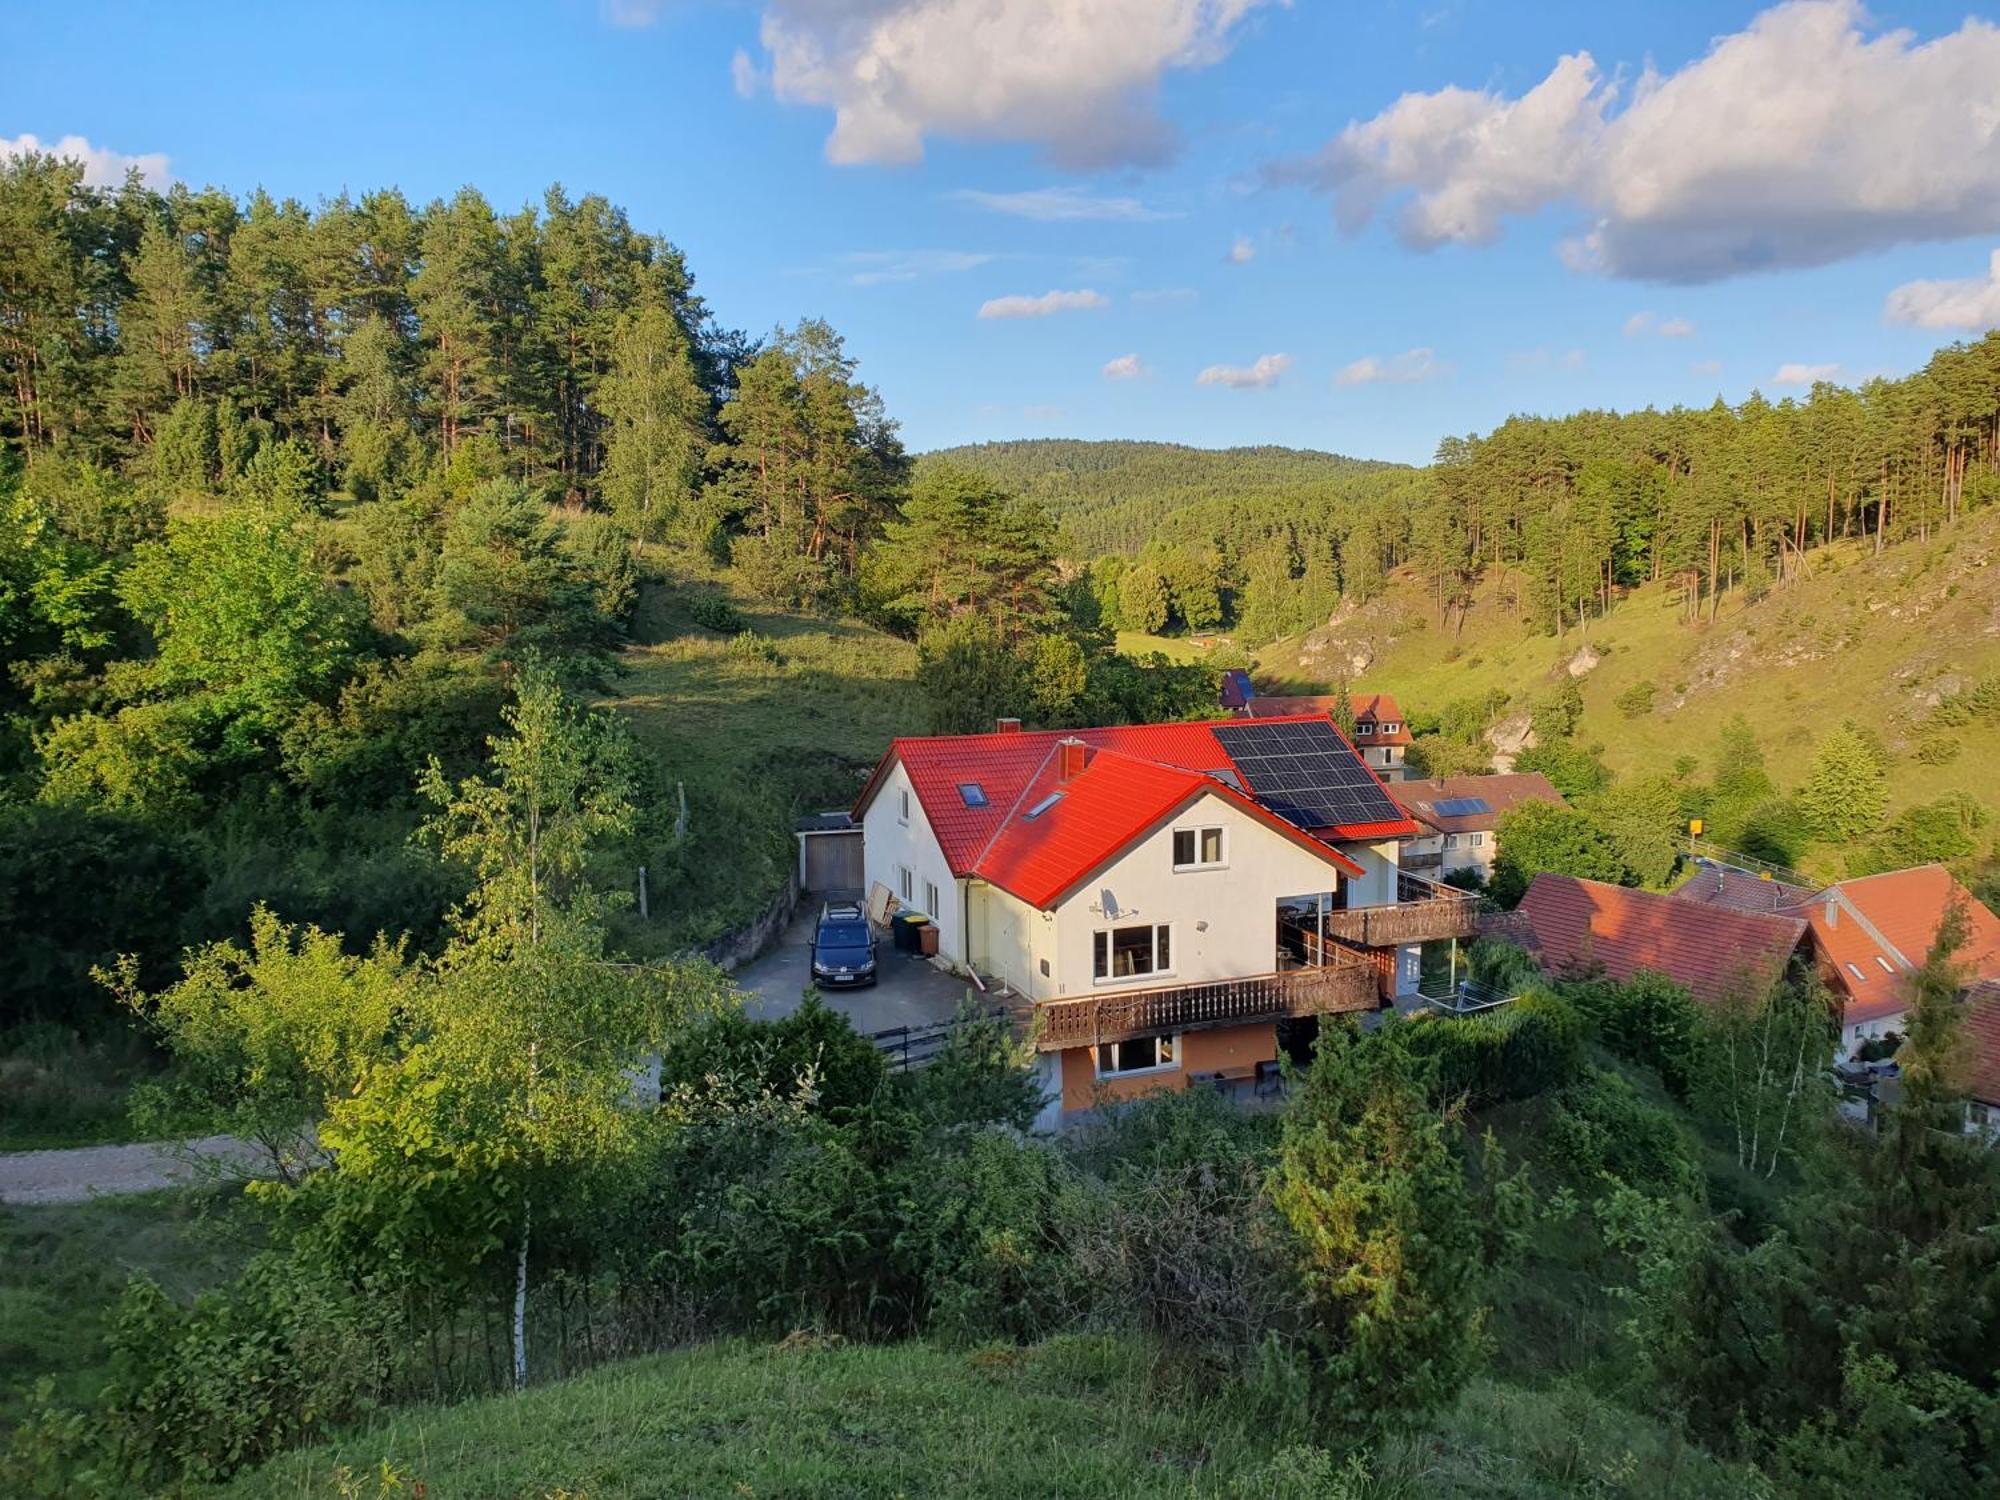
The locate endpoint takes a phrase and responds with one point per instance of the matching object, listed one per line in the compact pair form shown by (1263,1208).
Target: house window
(1132,952)
(904,817)
(1855,970)
(1146,1054)
(1887,967)
(1451,841)
(972,794)
(1978,1115)
(907,883)
(1195,848)
(1477,839)
(1364,728)
(1391,727)
(930,899)
(1044,805)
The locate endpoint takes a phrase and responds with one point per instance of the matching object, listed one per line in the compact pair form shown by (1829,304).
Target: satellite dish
(1108,901)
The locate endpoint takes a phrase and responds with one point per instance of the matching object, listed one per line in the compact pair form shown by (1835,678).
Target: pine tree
(1845,791)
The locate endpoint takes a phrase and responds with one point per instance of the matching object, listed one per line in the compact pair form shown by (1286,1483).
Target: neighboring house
(1458,815)
(1165,895)
(1380,734)
(1870,933)
(1236,689)
(1578,927)
(1721,885)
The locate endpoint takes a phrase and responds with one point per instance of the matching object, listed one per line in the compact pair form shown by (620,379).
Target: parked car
(843,947)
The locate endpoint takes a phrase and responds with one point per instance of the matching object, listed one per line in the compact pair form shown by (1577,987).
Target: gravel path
(82,1172)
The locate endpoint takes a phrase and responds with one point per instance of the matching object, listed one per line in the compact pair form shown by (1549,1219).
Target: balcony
(1424,912)
(1090,1019)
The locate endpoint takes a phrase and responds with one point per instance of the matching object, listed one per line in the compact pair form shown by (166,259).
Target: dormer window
(972,794)
(1364,728)
(1391,727)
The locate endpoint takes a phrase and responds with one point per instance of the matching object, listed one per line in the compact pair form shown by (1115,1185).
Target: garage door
(833,861)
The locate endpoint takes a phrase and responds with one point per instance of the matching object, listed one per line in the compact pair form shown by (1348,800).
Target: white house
(1460,816)
(1164,895)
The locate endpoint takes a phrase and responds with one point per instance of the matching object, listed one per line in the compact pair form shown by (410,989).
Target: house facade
(1458,816)
(1163,898)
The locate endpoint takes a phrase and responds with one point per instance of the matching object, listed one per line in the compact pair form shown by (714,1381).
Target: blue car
(843,949)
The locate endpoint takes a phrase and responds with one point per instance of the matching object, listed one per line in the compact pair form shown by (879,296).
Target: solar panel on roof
(1463,807)
(1305,773)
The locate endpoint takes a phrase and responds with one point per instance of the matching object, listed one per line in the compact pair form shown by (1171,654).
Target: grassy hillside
(773,715)
(1875,639)
(1077,1417)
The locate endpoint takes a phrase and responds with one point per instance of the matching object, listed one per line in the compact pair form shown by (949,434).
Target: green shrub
(1528,1048)
(814,1046)
(981,1075)
(1648,1020)
(714,612)
(1637,700)
(1602,1128)
(1937,750)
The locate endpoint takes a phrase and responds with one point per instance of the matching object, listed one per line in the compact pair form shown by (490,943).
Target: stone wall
(734,949)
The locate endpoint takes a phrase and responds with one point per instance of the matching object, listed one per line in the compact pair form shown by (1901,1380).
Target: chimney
(1832,910)
(1007,726)
(1070,764)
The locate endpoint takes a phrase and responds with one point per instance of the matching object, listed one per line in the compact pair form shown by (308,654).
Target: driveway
(907,990)
(72,1176)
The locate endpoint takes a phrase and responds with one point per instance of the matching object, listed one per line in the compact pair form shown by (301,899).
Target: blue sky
(1545,238)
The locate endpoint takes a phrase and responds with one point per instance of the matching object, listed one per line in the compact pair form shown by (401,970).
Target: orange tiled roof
(1870,933)
(1737,890)
(1982,1035)
(1581,925)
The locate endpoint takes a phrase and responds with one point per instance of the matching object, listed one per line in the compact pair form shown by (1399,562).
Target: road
(76,1175)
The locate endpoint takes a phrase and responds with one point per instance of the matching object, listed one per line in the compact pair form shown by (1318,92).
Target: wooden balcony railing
(1116,1016)
(1424,912)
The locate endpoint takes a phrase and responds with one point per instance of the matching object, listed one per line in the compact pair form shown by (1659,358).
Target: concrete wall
(1376,886)
(1224,920)
(734,949)
(889,841)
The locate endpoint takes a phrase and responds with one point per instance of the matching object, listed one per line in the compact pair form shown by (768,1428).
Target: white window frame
(904,816)
(931,900)
(1392,726)
(1111,949)
(1364,729)
(1451,841)
(1478,839)
(1201,832)
(1171,1042)
(906,884)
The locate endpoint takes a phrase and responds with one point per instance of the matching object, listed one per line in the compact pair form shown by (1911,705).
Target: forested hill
(1118,496)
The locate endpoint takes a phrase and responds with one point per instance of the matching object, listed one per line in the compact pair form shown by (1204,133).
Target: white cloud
(746,75)
(1242,252)
(1059,205)
(632,13)
(1972,303)
(1042,306)
(1641,323)
(101,167)
(1166,295)
(1802,374)
(1398,369)
(1797,141)
(1264,372)
(1079,78)
(1126,367)
(1705,367)
(1043,413)
(873,267)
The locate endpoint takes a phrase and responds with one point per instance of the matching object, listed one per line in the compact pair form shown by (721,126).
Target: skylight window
(1887,967)
(972,794)
(1044,805)
(1855,970)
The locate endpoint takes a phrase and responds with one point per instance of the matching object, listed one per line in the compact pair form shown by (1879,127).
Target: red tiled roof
(1371,708)
(1982,1036)
(1501,794)
(1135,775)
(1584,925)
(1871,931)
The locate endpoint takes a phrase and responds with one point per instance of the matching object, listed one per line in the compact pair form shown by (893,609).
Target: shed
(830,852)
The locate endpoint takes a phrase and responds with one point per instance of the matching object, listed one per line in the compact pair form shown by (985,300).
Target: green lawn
(759,734)
(1077,1417)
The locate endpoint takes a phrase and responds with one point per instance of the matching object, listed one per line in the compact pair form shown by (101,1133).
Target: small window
(1145,1054)
(1132,952)
(931,907)
(1195,848)
(1364,728)
(1887,967)
(1044,805)
(908,883)
(1391,727)
(1045,968)
(1451,841)
(1855,970)
(972,794)
(1477,839)
(906,805)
